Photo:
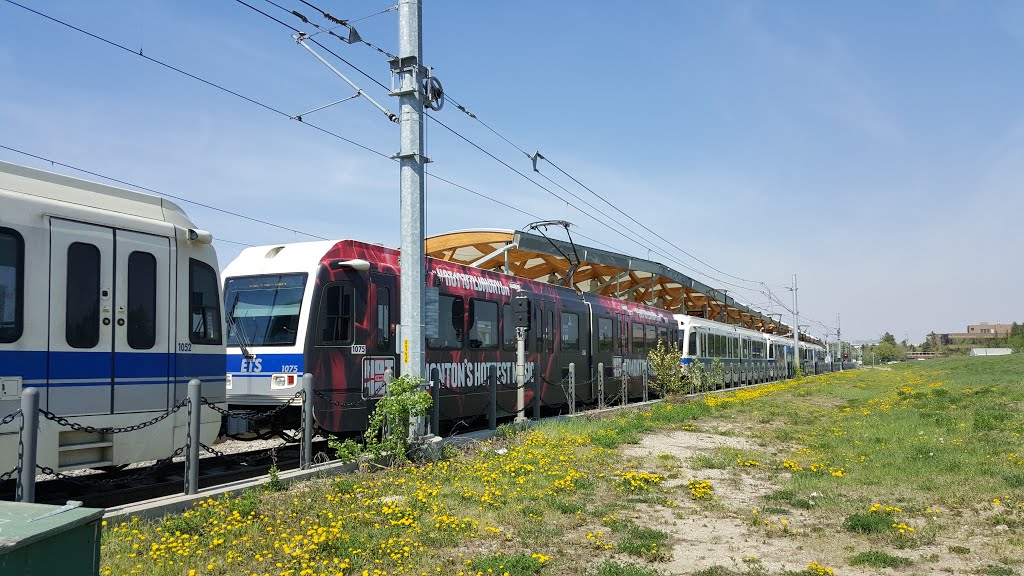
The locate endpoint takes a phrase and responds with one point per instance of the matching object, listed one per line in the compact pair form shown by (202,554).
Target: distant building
(991,351)
(983,331)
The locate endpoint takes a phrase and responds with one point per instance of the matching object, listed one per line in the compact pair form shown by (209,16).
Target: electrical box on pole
(521,311)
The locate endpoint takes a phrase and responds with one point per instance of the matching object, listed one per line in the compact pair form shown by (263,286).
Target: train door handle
(106,321)
(120,321)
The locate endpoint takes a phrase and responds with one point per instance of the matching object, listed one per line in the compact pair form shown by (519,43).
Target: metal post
(195,392)
(572,388)
(536,397)
(644,376)
(411,156)
(600,385)
(521,379)
(796,330)
(839,341)
(492,406)
(30,436)
(625,388)
(435,413)
(306,456)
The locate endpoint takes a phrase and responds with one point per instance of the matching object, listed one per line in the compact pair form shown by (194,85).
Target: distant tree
(887,351)
(889,338)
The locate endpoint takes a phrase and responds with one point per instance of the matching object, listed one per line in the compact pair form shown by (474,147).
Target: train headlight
(227,381)
(280,381)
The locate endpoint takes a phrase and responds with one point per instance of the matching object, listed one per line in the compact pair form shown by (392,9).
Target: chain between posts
(62,421)
(10,417)
(251,417)
(142,473)
(355,404)
(243,459)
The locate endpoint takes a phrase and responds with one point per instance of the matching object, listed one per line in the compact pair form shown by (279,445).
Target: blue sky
(876,149)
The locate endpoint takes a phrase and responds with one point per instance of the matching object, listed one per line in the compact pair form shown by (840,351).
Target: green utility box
(44,540)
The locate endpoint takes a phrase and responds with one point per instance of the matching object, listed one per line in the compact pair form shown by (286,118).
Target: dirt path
(726,532)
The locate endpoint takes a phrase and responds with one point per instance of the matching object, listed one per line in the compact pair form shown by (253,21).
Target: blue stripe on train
(263,365)
(94,368)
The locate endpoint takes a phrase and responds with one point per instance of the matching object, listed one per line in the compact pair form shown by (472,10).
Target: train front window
(264,310)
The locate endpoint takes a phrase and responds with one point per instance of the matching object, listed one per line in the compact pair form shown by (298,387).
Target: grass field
(914,470)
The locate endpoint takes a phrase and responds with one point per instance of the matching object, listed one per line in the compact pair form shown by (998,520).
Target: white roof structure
(991,351)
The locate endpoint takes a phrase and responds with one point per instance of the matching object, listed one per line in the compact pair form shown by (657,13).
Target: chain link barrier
(62,421)
(10,417)
(251,417)
(9,475)
(145,472)
(357,404)
(244,458)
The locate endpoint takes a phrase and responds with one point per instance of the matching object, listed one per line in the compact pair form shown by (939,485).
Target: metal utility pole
(839,341)
(796,330)
(412,159)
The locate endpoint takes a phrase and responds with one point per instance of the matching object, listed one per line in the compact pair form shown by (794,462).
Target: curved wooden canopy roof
(602,272)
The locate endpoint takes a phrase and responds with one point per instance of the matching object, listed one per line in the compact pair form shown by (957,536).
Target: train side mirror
(521,311)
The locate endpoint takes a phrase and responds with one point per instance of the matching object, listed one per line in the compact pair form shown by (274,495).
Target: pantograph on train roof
(542,258)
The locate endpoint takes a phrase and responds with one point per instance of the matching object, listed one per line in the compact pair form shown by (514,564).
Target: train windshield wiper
(236,327)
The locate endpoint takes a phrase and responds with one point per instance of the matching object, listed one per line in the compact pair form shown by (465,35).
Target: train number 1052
(184,346)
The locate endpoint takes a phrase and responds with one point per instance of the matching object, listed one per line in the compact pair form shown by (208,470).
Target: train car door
(109,327)
(81,331)
(141,316)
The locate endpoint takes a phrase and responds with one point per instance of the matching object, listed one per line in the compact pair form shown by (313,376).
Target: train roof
(52,186)
(538,257)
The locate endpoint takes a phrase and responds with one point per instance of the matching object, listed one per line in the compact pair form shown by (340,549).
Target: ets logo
(251,365)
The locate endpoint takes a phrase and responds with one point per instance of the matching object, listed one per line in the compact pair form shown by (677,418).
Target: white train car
(109,304)
(748,356)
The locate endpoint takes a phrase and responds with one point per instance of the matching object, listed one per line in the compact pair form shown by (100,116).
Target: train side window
(508,328)
(383,319)
(549,332)
(204,303)
(82,329)
(538,327)
(570,332)
(336,314)
(483,327)
(638,338)
(650,336)
(141,333)
(451,323)
(692,348)
(604,334)
(663,334)
(12,285)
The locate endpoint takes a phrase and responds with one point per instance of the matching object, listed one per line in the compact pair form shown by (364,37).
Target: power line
(466,111)
(462,108)
(381,154)
(314,41)
(158,193)
(247,99)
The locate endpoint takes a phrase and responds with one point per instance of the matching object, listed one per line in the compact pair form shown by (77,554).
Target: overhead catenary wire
(261,105)
(164,194)
(472,115)
(280,112)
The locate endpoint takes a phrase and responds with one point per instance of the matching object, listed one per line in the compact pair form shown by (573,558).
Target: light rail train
(330,309)
(109,304)
(746,354)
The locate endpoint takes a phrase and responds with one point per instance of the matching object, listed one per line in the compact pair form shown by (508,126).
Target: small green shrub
(879,559)
(612,568)
(511,564)
(993,570)
(347,450)
(961,550)
(875,523)
(274,484)
(644,543)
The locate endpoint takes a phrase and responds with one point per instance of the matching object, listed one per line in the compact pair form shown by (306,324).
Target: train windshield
(264,310)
